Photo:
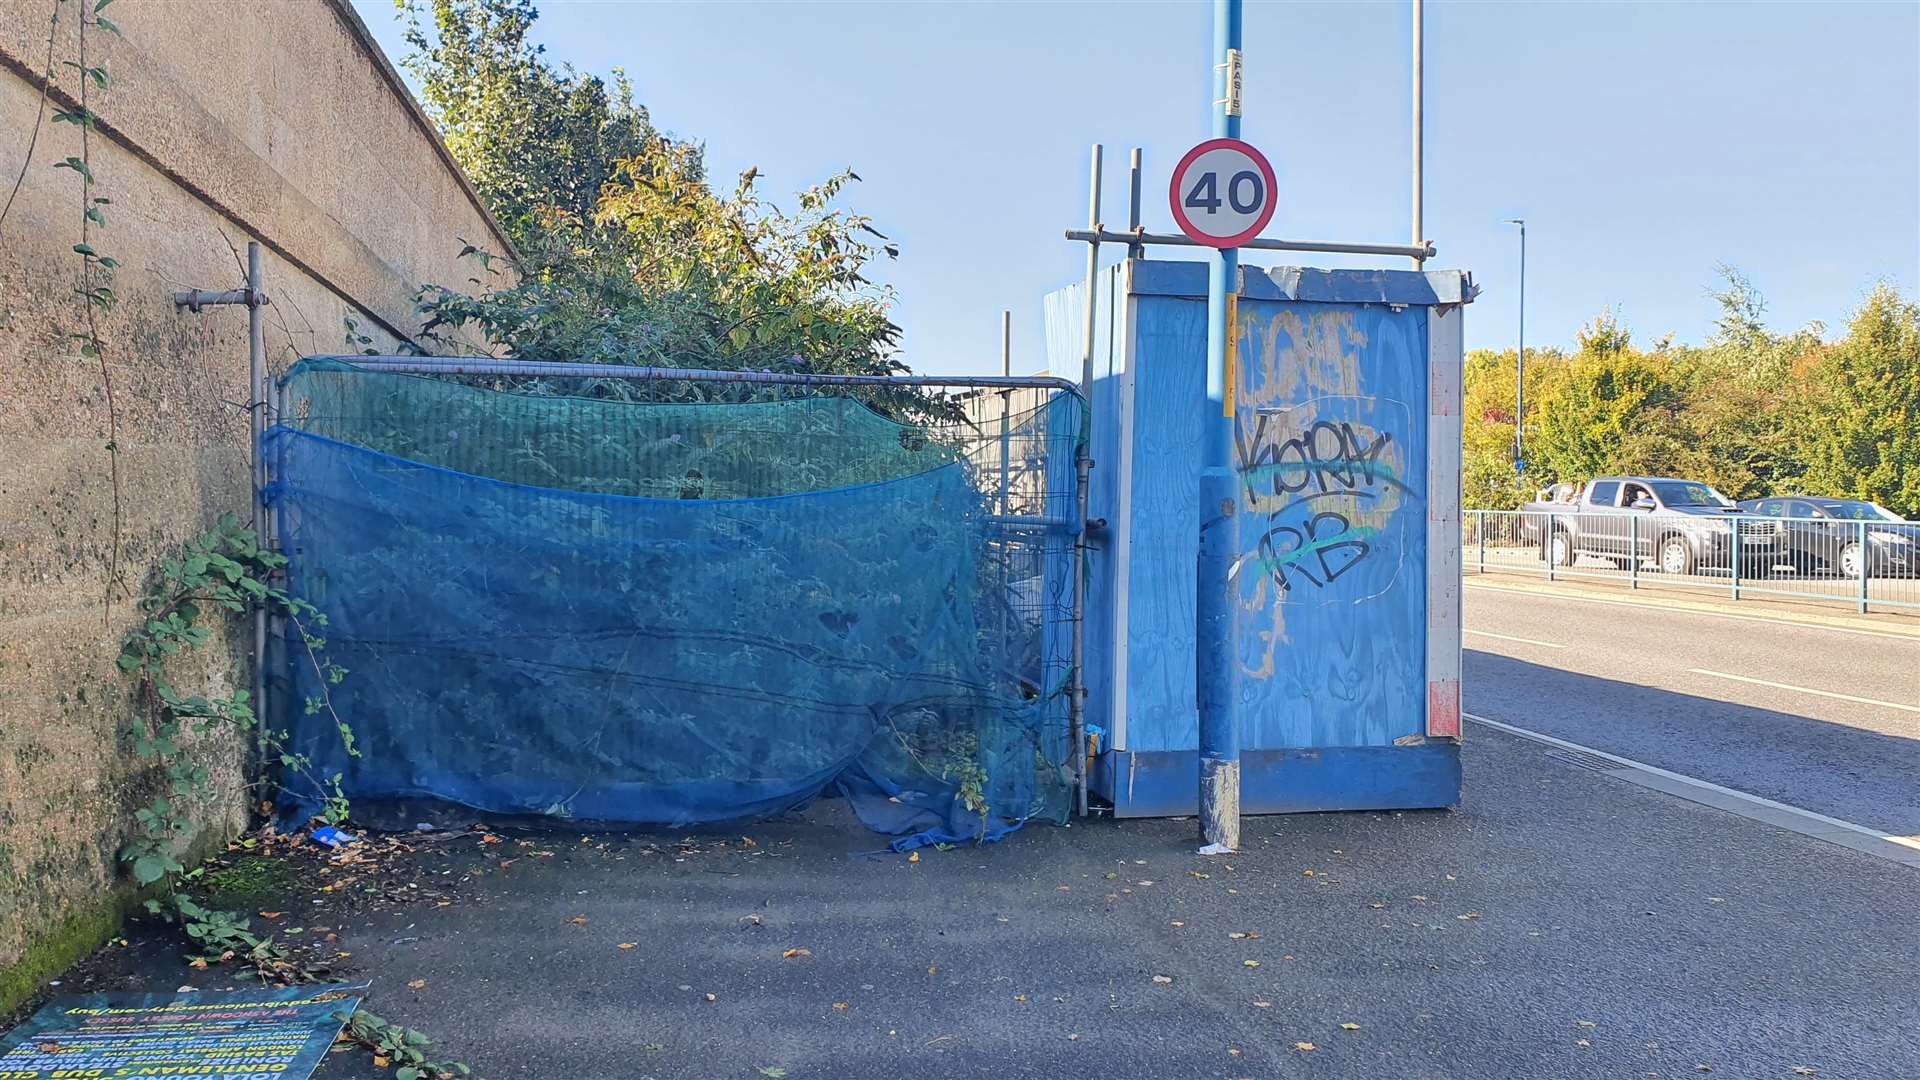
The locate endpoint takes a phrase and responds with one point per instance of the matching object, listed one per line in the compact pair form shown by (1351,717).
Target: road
(1822,718)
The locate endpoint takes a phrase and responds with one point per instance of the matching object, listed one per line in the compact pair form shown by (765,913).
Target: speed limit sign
(1222,193)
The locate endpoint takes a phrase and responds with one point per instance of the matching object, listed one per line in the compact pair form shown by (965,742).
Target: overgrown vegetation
(403,1048)
(1751,412)
(227,572)
(626,253)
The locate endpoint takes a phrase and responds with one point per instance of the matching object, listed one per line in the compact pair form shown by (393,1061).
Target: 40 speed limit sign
(1222,193)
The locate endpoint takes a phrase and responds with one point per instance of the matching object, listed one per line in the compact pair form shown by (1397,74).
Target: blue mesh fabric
(614,658)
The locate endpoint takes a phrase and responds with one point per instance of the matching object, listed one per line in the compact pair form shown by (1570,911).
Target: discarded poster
(214,1035)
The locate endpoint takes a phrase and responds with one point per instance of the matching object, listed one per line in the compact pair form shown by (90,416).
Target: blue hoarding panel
(1332,371)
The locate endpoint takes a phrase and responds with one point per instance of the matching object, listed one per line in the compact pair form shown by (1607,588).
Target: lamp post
(1520,359)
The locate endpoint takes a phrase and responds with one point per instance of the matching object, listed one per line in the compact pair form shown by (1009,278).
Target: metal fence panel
(1862,564)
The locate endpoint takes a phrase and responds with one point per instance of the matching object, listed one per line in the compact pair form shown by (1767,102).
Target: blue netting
(613,658)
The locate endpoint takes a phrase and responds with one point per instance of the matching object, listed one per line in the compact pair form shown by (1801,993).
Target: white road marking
(1895,848)
(1777,620)
(1521,640)
(1807,690)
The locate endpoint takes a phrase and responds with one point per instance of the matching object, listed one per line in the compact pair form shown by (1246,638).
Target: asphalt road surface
(1822,718)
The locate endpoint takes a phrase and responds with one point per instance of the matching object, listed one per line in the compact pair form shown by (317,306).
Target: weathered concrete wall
(227,121)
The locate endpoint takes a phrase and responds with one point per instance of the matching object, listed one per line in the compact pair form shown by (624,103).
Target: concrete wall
(227,121)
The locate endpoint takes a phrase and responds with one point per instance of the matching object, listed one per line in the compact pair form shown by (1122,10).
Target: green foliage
(1752,412)
(1861,433)
(402,1047)
(225,572)
(1609,407)
(626,253)
(537,143)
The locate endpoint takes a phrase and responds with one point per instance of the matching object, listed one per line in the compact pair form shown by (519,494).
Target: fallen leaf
(1376,905)
(751,920)
(1468,917)
(1073,1038)
(1804,1070)
(1263,1004)
(1449,877)
(1021,998)
(628,944)
(794,953)
(271,914)
(1251,963)
(489,838)
(199,962)
(1422,899)
(417,984)
(1177,924)
(1704,1068)
(1349,1027)
(1306,873)
(1584,1023)
(1305,1047)
(711,997)
(772,1072)
(747,841)
(578,920)
(839,1006)
(914,857)
(379,1061)
(1236,936)
(1233,1051)
(1581,1042)
(1163,979)
(931,968)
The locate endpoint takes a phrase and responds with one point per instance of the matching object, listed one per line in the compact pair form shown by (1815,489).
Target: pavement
(1560,923)
(1820,715)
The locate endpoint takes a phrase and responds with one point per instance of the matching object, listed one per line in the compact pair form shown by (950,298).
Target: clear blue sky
(1642,142)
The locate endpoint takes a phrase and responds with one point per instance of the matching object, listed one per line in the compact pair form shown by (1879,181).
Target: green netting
(612,447)
(677,614)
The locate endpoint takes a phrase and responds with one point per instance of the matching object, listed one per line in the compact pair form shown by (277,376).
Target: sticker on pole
(1222,193)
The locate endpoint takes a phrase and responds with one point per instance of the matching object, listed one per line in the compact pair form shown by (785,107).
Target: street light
(1520,359)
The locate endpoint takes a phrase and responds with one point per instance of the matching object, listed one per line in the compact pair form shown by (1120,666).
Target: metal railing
(1866,565)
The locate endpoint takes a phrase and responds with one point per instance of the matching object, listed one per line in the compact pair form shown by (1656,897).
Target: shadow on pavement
(1839,770)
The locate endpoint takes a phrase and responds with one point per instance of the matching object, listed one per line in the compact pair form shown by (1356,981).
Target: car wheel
(1676,555)
(1560,549)
(1850,560)
(1620,562)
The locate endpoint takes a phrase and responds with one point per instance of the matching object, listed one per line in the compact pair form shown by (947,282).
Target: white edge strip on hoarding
(1444,343)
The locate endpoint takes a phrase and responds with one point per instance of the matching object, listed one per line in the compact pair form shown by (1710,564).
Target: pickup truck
(1679,526)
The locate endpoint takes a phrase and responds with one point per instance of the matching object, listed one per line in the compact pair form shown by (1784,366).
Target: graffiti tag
(1301,486)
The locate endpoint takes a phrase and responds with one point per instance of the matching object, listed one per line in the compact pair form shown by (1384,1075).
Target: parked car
(1826,534)
(1679,525)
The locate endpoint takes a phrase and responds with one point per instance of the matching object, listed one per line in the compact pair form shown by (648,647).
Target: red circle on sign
(1180,214)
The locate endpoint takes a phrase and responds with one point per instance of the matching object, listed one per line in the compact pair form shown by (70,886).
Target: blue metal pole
(1216,655)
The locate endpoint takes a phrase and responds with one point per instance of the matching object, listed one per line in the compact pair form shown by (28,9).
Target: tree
(1612,410)
(1861,438)
(537,143)
(626,253)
